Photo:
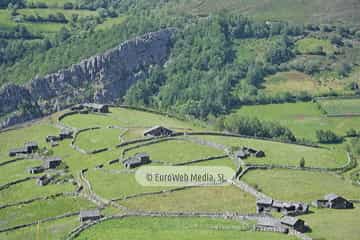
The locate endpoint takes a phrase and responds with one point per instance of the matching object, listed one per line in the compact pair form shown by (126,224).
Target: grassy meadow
(304,186)
(341,106)
(201,199)
(285,154)
(176,228)
(302,118)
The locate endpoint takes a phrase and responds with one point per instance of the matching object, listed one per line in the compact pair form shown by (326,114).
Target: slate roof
(271,222)
(266,201)
(89,213)
(291,221)
(156,127)
(330,197)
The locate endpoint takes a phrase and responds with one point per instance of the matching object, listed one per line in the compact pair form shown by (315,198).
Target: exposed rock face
(103,78)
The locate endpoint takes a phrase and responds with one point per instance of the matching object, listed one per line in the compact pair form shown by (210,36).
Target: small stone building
(333,201)
(52,162)
(65,133)
(263,205)
(246,152)
(29,147)
(137,160)
(266,205)
(158,131)
(89,215)
(43,180)
(15,151)
(270,225)
(36,170)
(260,154)
(94,107)
(294,223)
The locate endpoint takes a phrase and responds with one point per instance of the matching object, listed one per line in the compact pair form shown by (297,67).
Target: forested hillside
(223,55)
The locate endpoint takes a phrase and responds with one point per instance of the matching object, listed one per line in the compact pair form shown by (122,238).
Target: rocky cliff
(103,79)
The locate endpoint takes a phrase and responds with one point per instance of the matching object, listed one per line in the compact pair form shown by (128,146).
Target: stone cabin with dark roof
(333,201)
(52,162)
(43,180)
(29,147)
(94,107)
(89,215)
(158,131)
(266,205)
(294,223)
(268,224)
(137,160)
(36,170)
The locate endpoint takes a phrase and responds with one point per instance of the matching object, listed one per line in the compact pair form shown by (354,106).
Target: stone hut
(158,131)
(94,107)
(270,225)
(65,133)
(89,215)
(240,154)
(36,170)
(333,201)
(294,223)
(287,208)
(52,138)
(52,162)
(43,180)
(260,154)
(263,205)
(29,147)
(137,160)
(16,151)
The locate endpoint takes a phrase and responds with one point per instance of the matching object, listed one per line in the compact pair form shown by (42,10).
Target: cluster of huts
(158,131)
(245,152)
(137,160)
(266,205)
(64,134)
(333,201)
(28,148)
(283,225)
(49,163)
(91,107)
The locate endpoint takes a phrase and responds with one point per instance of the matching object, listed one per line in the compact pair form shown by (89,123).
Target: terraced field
(302,118)
(341,106)
(100,180)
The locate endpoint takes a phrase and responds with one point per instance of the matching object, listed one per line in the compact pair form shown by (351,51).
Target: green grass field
(100,138)
(53,230)
(28,213)
(297,82)
(302,118)
(127,118)
(341,106)
(201,199)
(17,170)
(346,222)
(175,228)
(300,185)
(311,45)
(176,151)
(29,189)
(249,50)
(113,184)
(285,154)
(302,11)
